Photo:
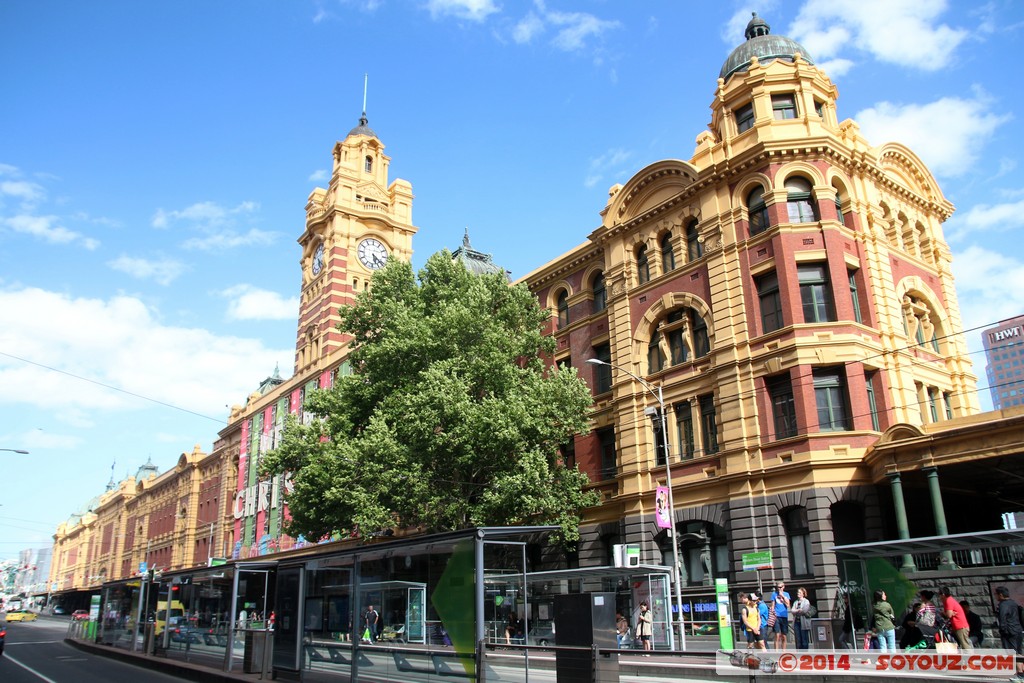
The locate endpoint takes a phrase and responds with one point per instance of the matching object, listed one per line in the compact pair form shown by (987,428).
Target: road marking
(30,670)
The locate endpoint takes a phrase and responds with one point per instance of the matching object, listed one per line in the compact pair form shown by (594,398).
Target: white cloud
(251,303)
(612,163)
(22,189)
(473,10)
(990,287)
(947,134)
(229,239)
(572,29)
(48,228)
(317,176)
(835,67)
(163,271)
(203,215)
(905,32)
(119,342)
(576,27)
(986,217)
(219,225)
(527,28)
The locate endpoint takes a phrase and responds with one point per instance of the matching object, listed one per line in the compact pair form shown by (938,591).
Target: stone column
(902,527)
(939,514)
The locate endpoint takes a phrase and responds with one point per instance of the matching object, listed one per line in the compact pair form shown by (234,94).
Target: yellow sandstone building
(786,293)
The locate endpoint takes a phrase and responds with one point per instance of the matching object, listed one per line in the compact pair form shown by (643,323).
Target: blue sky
(155,160)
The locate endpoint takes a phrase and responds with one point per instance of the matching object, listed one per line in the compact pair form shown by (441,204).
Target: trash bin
(252,658)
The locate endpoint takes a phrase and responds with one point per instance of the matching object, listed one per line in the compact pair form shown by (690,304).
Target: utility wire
(113,388)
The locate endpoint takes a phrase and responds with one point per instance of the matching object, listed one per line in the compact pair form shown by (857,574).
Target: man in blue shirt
(762,610)
(780,599)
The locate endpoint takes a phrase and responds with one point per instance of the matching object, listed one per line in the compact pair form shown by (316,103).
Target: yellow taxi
(21,615)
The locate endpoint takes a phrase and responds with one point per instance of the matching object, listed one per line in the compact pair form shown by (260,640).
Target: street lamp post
(668,481)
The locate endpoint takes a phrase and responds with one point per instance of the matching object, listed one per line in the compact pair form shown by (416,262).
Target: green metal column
(902,527)
(939,513)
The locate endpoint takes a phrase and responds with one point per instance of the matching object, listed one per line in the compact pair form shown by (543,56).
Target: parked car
(3,633)
(80,615)
(21,615)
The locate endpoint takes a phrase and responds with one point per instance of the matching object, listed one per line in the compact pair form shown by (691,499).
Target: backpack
(926,618)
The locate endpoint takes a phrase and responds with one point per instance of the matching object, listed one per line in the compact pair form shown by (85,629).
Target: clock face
(372,253)
(318,259)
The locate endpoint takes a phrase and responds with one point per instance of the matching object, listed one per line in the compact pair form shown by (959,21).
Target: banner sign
(662,515)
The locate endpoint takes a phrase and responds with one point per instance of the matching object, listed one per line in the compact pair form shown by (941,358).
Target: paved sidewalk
(187,670)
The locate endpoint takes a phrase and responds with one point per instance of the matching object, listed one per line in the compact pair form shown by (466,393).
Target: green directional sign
(758,560)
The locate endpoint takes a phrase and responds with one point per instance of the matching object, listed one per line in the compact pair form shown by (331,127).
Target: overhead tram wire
(112,388)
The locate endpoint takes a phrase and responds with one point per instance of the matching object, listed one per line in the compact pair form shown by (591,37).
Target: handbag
(943,644)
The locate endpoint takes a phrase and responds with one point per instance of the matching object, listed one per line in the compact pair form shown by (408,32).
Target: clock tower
(352,228)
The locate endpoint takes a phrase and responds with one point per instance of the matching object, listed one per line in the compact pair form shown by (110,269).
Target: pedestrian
(952,610)
(743,598)
(1010,627)
(912,636)
(762,612)
(621,631)
(753,621)
(974,623)
(645,626)
(801,613)
(371,620)
(885,622)
(781,603)
(512,628)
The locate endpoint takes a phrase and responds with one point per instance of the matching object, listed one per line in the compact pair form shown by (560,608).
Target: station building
(778,340)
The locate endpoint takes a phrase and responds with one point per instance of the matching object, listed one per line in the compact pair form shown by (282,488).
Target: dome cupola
(761,44)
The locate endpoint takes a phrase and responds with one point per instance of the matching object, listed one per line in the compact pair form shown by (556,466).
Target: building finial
(465,239)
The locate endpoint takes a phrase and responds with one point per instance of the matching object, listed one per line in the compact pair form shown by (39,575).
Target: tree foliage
(450,419)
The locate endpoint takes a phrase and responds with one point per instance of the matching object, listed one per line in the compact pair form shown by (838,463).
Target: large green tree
(450,419)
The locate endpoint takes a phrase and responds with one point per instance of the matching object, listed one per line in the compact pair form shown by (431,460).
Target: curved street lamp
(14,450)
(668,481)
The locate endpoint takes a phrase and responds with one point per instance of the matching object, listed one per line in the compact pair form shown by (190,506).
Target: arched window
(368,164)
(918,323)
(799,200)
(839,208)
(798,536)
(694,247)
(643,267)
(675,330)
(563,309)
(600,293)
(757,212)
(655,356)
(668,259)
(680,337)
(703,553)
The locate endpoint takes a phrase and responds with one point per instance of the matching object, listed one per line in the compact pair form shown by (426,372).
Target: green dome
(761,44)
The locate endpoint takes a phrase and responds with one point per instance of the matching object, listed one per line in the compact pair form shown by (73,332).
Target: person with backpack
(927,616)
(1010,627)
(742,599)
